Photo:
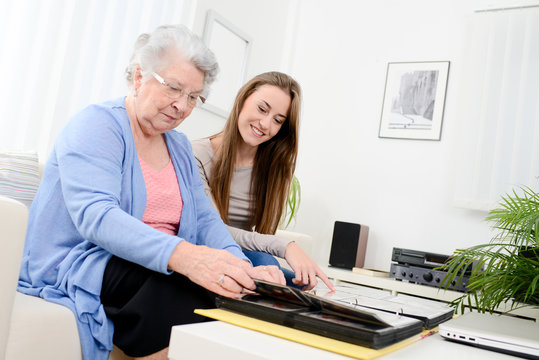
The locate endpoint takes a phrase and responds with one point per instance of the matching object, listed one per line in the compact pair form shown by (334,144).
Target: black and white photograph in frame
(414,100)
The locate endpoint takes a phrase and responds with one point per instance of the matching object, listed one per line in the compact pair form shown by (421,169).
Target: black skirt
(144,305)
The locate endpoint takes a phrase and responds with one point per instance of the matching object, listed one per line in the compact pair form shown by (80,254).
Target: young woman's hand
(305,269)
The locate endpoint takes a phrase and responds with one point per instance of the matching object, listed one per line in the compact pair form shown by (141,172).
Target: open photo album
(372,321)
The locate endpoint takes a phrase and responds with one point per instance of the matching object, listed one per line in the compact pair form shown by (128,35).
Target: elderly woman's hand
(305,269)
(269,273)
(216,270)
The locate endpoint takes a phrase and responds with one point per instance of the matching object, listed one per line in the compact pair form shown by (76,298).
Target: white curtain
(499,107)
(58,56)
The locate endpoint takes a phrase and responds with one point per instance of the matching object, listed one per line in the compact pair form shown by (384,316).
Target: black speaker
(348,245)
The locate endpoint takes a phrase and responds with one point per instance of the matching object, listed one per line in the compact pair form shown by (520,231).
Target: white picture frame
(232,47)
(414,99)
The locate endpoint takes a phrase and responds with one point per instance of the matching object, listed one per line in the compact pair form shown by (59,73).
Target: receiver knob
(427,276)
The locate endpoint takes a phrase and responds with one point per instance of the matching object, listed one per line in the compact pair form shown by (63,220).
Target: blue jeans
(261,258)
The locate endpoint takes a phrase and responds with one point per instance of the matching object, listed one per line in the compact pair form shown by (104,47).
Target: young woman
(248,167)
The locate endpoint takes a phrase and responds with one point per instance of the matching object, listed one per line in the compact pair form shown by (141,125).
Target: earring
(134,93)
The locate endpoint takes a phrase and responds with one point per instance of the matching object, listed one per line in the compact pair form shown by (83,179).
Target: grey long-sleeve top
(238,211)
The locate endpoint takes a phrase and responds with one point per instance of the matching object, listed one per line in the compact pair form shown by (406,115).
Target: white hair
(151,50)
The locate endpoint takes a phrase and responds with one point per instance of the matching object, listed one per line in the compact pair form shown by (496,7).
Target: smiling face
(262,115)
(157,113)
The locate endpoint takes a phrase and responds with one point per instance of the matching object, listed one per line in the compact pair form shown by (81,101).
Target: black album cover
(305,311)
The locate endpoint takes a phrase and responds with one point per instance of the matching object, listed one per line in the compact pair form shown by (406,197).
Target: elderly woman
(121,231)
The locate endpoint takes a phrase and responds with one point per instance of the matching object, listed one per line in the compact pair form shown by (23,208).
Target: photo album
(359,315)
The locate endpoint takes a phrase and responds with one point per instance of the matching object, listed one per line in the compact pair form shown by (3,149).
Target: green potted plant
(292,203)
(505,270)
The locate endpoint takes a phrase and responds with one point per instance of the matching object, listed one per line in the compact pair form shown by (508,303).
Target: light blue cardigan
(90,205)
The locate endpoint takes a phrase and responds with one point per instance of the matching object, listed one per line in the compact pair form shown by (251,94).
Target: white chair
(30,328)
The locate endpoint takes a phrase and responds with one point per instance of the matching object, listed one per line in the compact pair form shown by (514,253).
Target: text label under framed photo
(231,46)
(414,98)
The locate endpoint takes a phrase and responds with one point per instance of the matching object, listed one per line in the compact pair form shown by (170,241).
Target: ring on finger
(221,280)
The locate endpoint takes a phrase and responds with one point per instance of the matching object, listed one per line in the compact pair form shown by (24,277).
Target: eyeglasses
(176,92)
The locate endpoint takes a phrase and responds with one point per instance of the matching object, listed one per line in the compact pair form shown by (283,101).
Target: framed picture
(414,98)
(231,46)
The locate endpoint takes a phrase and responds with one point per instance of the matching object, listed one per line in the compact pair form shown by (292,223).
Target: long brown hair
(274,163)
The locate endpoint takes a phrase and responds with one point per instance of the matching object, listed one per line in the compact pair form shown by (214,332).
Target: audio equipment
(418,258)
(348,245)
(420,267)
(426,276)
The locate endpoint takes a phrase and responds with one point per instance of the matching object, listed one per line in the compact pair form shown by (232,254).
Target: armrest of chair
(304,241)
(13,219)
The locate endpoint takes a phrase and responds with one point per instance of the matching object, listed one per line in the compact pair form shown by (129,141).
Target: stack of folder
(307,338)
(365,317)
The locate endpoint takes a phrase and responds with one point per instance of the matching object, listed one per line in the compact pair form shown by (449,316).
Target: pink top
(163,198)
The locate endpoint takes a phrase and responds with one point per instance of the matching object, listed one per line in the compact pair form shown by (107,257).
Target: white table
(220,340)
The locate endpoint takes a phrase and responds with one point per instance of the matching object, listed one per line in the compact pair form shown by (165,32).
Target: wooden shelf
(431,292)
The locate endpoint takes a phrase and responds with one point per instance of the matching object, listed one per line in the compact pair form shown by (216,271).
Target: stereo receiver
(419,267)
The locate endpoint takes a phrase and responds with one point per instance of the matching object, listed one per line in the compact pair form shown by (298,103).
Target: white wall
(401,189)
(59,55)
